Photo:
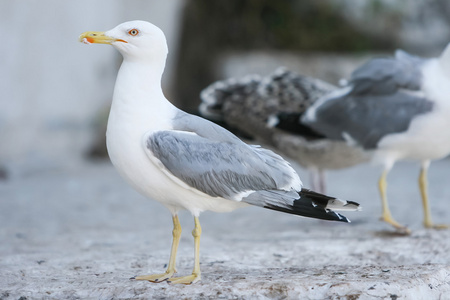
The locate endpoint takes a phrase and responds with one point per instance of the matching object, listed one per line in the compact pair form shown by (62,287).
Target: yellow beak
(98,37)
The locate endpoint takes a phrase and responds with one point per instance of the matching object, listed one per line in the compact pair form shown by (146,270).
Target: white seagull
(186,162)
(397,109)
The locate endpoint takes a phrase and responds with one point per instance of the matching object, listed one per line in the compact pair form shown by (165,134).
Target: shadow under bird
(395,108)
(268,109)
(186,162)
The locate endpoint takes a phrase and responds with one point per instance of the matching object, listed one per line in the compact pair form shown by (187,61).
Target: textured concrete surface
(81,233)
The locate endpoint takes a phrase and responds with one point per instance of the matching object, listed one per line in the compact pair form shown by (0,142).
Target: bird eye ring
(133,32)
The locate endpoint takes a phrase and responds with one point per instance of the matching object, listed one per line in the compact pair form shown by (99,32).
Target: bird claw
(157,278)
(190,279)
(436,226)
(400,229)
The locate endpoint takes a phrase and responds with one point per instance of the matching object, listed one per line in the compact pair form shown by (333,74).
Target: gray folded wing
(220,165)
(383,97)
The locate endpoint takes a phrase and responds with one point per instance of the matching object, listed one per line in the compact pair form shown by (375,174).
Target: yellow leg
(196,274)
(173,256)
(386,215)
(423,185)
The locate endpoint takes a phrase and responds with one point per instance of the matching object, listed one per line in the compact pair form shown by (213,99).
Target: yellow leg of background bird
(423,185)
(387,216)
(171,269)
(196,274)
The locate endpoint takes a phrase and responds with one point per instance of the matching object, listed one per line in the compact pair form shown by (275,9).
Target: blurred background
(55,91)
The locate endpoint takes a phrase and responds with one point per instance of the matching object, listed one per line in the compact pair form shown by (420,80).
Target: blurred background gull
(55,94)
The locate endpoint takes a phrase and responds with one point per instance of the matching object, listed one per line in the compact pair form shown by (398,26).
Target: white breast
(126,150)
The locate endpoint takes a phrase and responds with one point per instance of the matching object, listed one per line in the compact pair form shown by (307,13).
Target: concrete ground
(82,232)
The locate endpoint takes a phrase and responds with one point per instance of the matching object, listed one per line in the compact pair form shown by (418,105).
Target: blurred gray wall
(53,87)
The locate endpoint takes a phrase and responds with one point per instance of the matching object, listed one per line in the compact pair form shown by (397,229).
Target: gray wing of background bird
(384,76)
(382,98)
(249,102)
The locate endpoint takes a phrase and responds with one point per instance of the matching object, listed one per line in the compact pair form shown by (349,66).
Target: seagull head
(135,40)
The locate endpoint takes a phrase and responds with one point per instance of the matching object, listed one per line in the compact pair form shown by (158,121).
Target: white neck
(138,97)
(135,79)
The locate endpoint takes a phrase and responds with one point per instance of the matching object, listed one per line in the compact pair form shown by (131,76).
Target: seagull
(268,109)
(397,108)
(186,162)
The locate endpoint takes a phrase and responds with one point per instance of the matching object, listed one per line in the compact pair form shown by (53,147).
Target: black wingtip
(355,204)
(315,205)
(310,211)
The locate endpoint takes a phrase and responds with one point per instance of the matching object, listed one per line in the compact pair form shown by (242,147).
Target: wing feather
(220,169)
(383,98)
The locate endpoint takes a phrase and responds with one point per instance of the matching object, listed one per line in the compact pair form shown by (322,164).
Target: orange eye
(133,32)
